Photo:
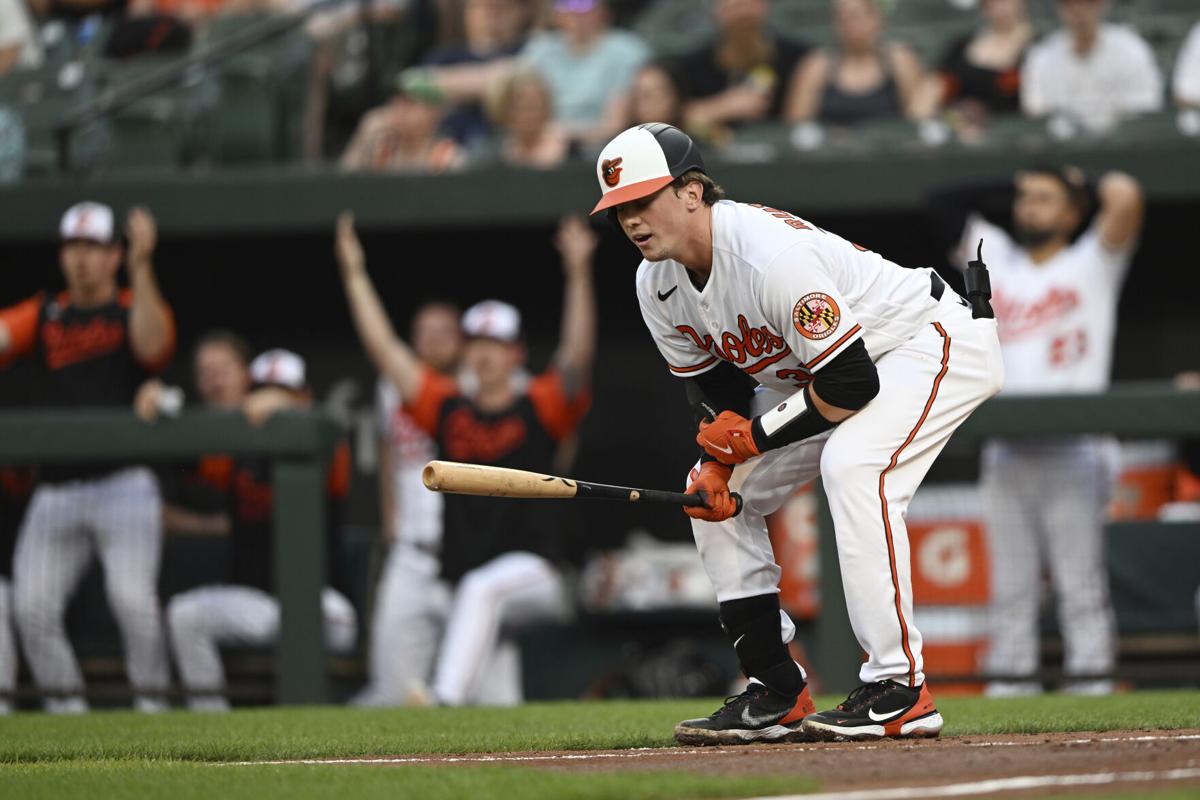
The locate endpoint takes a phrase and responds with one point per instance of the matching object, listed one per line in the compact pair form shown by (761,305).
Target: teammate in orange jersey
(499,562)
(93,345)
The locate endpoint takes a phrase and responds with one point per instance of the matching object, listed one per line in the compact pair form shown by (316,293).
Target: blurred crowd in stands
(532,83)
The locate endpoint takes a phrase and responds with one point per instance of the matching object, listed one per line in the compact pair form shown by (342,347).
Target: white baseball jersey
(1057,320)
(783,299)
(418,511)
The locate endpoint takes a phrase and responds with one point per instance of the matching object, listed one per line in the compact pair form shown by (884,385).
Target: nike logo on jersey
(884,717)
(757,722)
(726,450)
(664,295)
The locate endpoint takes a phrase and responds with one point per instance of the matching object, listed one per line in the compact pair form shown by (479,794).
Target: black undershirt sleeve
(850,380)
(722,388)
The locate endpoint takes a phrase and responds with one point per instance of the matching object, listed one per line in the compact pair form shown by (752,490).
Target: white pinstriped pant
(119,519)
(871,466)
(200,620)
(1044,503)
(457,633)
(8,648)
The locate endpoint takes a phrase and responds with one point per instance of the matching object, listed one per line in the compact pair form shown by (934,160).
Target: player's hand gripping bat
(456,478)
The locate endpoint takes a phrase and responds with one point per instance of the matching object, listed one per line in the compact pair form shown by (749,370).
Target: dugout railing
(1132,410)
(297,445)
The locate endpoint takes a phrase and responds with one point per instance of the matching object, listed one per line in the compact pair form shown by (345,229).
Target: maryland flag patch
(816,316)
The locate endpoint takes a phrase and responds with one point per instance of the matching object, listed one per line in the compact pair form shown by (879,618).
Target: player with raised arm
(1056,306)
(410,515)
(864,370)
(499,564)
(93,345)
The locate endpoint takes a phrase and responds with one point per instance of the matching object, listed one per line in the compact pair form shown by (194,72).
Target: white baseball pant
(8,649)
(459,636)
(1046,500)
(201,620)
(871,465)
(119,519)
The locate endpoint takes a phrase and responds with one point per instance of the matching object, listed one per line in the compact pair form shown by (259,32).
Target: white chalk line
(994,785)
(643,752)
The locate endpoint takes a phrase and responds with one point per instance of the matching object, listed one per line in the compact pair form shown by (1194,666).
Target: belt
(937,286)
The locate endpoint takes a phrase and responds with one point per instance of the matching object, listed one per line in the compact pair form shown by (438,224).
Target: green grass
(121,754)
(287,733)
(113,780)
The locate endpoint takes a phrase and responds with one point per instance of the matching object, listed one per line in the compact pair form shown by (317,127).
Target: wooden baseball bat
(478,479)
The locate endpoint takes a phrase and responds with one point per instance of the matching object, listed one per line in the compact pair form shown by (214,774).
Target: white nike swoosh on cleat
(728,450)
(756,722)
(883,717)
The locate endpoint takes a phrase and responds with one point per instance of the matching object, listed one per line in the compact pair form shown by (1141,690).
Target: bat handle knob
(737,503)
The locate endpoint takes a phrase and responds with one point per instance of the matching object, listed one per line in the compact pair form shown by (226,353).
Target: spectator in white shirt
(1186,82)
(1091,71)
(19,46)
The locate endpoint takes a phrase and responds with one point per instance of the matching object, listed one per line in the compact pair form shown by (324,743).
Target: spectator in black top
(980,74)
(742,76)
(493,29)
(862,78)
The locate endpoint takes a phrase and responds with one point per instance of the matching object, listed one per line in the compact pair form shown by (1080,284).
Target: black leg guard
(752,624)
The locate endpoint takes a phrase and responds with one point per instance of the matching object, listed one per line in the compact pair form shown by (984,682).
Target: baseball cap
(278,367)
(492,319)
(642,160)
(89,221)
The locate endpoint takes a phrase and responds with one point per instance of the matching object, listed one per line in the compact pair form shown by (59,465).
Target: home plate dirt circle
(892,770)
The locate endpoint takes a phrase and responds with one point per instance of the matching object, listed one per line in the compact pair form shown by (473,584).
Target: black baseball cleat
(756,715)
(876,711)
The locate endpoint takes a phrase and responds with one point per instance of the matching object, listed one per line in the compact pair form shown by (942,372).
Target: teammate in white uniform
(823,326)
(411,516)
(1056,305)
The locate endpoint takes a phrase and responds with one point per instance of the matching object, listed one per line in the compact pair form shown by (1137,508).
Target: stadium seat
(261,93)
(167,128)
(674,27)
(42,98)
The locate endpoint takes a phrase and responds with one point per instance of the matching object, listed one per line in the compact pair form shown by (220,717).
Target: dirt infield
(974,764)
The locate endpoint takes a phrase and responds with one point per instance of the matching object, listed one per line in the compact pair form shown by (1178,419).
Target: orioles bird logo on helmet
(612,170)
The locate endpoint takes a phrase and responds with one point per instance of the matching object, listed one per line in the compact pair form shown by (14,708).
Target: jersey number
(1069,347)
(800,375)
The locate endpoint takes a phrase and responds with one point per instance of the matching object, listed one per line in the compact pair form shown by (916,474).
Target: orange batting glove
(728,438)
(712,484)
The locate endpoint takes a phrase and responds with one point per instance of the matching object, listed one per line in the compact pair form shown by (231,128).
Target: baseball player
(1056,306)
(499,563)
(411,514)
(94,345)
(863,369)
(16,486)
(245,611)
